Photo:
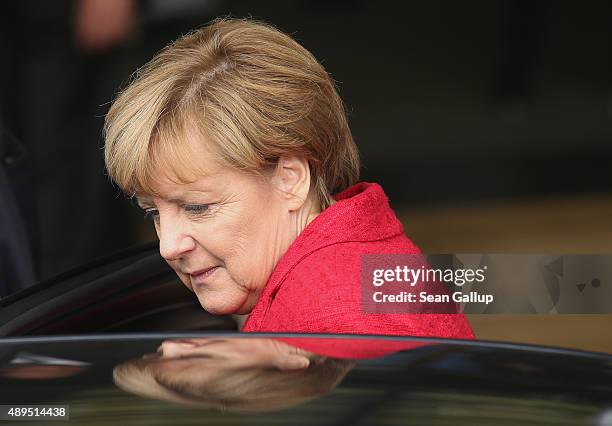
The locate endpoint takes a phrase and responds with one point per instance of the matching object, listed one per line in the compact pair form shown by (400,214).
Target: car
(130,291)
(64,344)
(434,382)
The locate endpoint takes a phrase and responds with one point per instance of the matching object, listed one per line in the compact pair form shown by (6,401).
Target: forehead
(218,181)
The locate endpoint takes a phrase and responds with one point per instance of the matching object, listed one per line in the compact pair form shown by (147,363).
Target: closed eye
(151,214)
(197,209)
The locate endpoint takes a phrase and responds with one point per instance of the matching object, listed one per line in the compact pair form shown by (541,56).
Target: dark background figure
(17,270)
(55,85)
(451,103)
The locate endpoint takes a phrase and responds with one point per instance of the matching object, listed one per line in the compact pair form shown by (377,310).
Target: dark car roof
(436,382)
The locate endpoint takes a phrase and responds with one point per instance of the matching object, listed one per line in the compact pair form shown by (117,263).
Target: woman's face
(195,362)
(216,371)
(223,234)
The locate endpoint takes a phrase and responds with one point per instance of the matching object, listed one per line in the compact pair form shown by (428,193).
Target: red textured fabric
(315,287)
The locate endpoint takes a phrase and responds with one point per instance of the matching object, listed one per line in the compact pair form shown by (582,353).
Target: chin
(225,309)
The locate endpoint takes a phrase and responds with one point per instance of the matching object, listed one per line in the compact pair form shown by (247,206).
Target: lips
(198,277)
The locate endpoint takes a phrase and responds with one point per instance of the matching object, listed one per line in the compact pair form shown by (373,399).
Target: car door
(132,291)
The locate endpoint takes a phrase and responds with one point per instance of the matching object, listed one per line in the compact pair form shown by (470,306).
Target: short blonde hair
(251,90)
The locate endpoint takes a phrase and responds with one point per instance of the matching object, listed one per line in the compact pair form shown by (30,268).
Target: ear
(292,178)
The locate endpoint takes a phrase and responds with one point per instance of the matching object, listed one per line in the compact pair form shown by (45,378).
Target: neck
(298,221)
(305,215)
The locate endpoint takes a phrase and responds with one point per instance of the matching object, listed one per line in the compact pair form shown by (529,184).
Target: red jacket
(315,287)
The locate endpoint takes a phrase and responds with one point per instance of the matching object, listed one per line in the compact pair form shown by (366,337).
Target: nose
(174,240)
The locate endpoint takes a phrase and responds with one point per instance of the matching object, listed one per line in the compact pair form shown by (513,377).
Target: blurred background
(488,123)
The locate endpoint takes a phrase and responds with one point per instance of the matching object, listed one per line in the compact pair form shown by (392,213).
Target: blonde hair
(250,90)
(248,389)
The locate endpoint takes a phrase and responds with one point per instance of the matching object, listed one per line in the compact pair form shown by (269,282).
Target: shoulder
(323,287)
(322,294)
(337,263)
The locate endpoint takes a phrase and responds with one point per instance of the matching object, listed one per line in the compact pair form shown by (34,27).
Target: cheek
(244,246)
(244,237)
(224,243)
(253,256)
(232,234)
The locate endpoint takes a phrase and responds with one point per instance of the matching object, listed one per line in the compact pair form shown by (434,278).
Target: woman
(245,375)
(249,374)
(233,140)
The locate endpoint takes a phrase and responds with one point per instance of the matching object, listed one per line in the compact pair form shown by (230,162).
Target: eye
(197,209)
(151,214)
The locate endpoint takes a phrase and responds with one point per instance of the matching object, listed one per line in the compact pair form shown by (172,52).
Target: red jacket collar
(361,213)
